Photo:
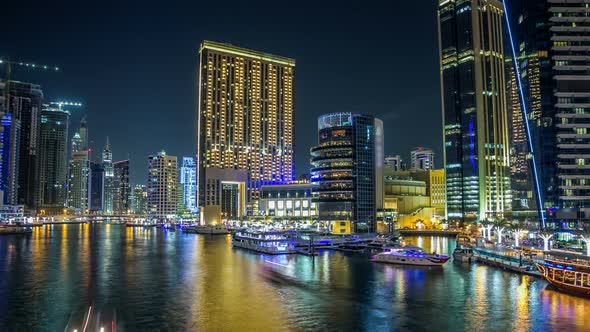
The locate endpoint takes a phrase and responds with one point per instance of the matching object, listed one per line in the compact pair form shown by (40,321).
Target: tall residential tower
(474,109)
(245,125)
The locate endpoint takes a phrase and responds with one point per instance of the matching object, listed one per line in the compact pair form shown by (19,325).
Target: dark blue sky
(134,65)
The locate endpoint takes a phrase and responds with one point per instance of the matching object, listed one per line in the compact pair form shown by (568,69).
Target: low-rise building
(288,200)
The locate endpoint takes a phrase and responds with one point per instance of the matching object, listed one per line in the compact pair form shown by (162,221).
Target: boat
(12,229)
(265,242)
(463,254)
(207,229)
(352,247)
(410,256)
(132,224)
(570,276)
(384,241)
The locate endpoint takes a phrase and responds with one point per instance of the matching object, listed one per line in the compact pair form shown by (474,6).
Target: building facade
(421,158)
(347,165)
(96,188)
(24,102)
(10,138)
(121,188)
(473,88)
(188,180)
(529,20)
(139,199)
(293,200)
(162,186)
(569,26)
(79,172)
(394,163)
(245,122)
(53,164)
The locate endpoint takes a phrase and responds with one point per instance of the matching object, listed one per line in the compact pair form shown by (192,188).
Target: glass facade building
(475,128)
(53,161)
(188,181)
(347,165)
(162,186)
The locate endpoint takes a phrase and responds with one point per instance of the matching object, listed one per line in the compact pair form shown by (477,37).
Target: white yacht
(410,256)
(264,242)
(217,229)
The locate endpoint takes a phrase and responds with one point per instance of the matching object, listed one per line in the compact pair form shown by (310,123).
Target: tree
(487,227)
(546,234)
(517,230)
(584,235)
(499,226)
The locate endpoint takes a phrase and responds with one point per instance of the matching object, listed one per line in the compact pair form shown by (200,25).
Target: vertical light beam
(525,120)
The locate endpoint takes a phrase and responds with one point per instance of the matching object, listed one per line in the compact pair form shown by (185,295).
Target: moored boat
(571,276)
(410,256)
(207,229)
(264,242)
(463,254)
(12,229)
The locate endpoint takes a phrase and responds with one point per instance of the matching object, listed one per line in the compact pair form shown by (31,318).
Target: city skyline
(142,68)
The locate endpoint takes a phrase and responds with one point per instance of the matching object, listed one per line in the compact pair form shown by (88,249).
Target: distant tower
(79,172)
(83,134)
(162,185)
(121,188)
(109,174)
(139,199)
(421,159)
(395,163)
(10,137)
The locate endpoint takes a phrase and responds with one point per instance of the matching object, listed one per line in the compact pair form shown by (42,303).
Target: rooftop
(231,49)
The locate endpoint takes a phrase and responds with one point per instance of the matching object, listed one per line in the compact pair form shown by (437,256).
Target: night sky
(134,66)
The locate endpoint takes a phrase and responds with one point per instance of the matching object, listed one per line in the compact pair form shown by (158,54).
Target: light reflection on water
(153,279)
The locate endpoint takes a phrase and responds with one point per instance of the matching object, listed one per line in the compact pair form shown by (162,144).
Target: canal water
(150,279)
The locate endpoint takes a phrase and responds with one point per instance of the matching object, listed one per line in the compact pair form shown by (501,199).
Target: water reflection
(151,279)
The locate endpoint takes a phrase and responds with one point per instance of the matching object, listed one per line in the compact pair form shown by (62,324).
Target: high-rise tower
(109,174)
(53,159)
(245,123)
(474,109)
(79,171)
(188,181)
(162,196)
(348,166)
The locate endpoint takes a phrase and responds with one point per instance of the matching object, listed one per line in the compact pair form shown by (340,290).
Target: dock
(506,261)
(427,232)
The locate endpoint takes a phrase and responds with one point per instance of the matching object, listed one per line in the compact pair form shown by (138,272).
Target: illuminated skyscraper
(53,161)
(162,185)
(109,175)
(421,159)
(188,180)
(25,101)
(245,123)
(10,137)
(79,171)
(529,20)
(348,166)
(474,109)
(139,199)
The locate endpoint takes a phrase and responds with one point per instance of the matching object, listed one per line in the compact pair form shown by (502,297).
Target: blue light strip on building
(525,120)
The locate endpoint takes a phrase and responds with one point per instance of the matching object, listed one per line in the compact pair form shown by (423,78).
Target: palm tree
(546,234)
(517,230)
(584,235)
(500,226)
(487,227)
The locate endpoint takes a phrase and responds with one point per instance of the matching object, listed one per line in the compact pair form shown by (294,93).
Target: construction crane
(8,64)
